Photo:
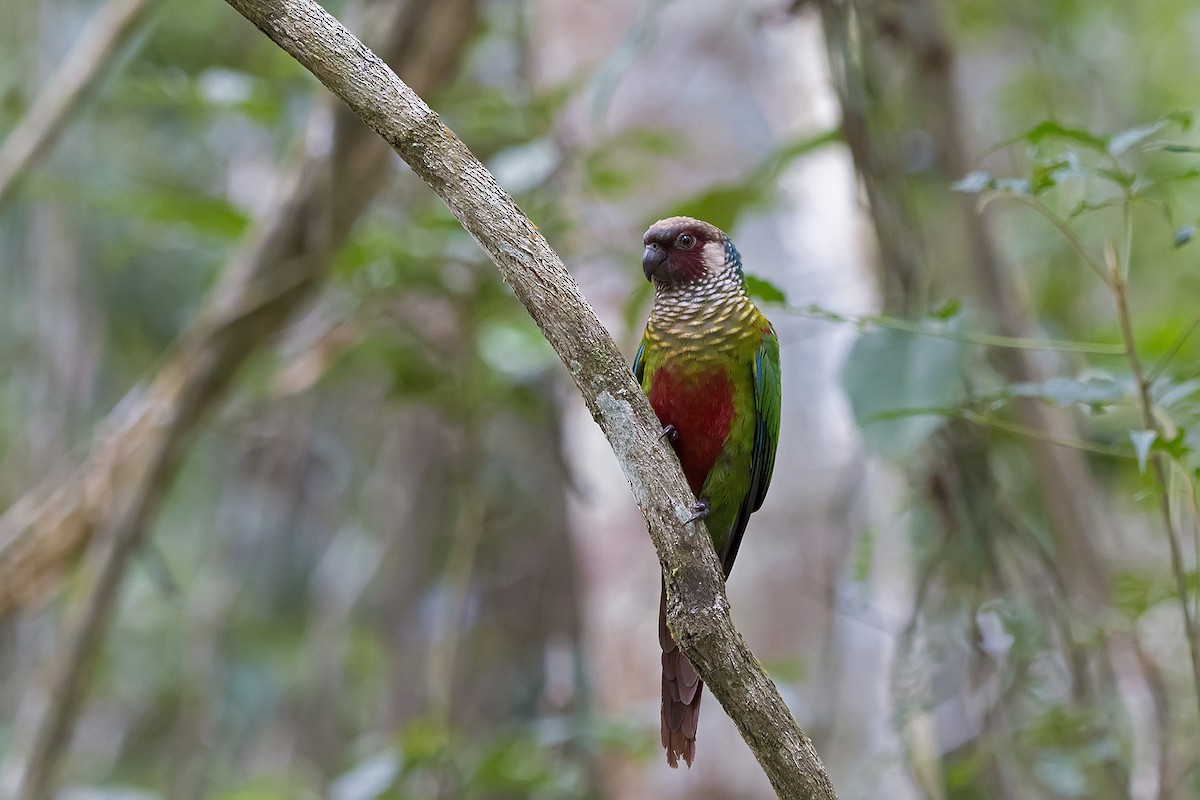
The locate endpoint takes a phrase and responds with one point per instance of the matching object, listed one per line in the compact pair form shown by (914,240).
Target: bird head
(682,250)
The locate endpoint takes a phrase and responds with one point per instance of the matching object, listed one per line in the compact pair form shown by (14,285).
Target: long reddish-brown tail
(681,689)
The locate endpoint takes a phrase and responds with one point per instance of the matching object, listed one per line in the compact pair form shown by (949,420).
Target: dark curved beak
(652,259)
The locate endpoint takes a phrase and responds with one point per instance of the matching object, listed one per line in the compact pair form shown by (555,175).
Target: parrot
(709,363)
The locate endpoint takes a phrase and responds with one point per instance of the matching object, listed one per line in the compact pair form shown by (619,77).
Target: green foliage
(725,204)
(626,160)
(1060,158)
(1112,202)
(290,657)
(1096,392)
(764,291)
(428,756)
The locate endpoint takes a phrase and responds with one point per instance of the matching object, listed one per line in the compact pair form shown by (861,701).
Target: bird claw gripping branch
(700,510)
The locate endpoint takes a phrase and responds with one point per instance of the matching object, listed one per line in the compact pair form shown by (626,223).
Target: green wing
(767,389)
(639,364)
(767,386)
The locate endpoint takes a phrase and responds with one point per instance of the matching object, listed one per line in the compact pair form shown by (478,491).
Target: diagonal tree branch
(99,43)
(698,611)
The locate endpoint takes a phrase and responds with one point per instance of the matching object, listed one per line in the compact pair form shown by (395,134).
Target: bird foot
(699,511)
(670,434)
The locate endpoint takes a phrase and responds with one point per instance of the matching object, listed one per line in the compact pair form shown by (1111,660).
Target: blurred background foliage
(368,579)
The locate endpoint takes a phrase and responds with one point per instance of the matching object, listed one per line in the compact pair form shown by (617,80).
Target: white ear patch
(714,259)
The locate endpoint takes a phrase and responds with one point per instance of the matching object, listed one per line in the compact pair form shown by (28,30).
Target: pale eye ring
(685,241)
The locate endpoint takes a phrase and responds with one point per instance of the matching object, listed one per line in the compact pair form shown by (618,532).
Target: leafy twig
(1034,433)
(1115,276)
(971,337)
(1150,421)
(1016,428)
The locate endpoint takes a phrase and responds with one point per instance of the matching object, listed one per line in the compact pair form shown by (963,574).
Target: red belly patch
(700,406)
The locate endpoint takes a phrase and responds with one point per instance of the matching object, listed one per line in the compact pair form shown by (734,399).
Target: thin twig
(1061,224)
(1172,351)
(1194,515)
(971,337)
(1040,435)
(988,421)
(63,94)
(1150,421)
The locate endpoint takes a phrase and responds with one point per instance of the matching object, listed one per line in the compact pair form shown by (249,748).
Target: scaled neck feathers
(708,316)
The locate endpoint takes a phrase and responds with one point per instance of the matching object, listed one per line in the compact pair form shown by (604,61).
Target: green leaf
(951,309)
(514,348)
(864,556)
(964,774)
(626,159)
(974,182)
(1049,130)
(724,204)
(1126,139)
(762,289)
(1047,175)
(1085,206)
(425,740)
(1018,186)
(1186,175)
(1120,177)
(783,157)
(1093,390)
(369,779)
(1183,119)
(1142,442)
(897,383)
(1134,594)
(1176,447)
(1121,142)
(1169,393)
(159,204)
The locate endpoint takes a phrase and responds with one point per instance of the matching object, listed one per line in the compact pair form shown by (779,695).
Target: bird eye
(685,241)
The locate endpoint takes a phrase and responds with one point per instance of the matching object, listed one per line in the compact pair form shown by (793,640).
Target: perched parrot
(709,361)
